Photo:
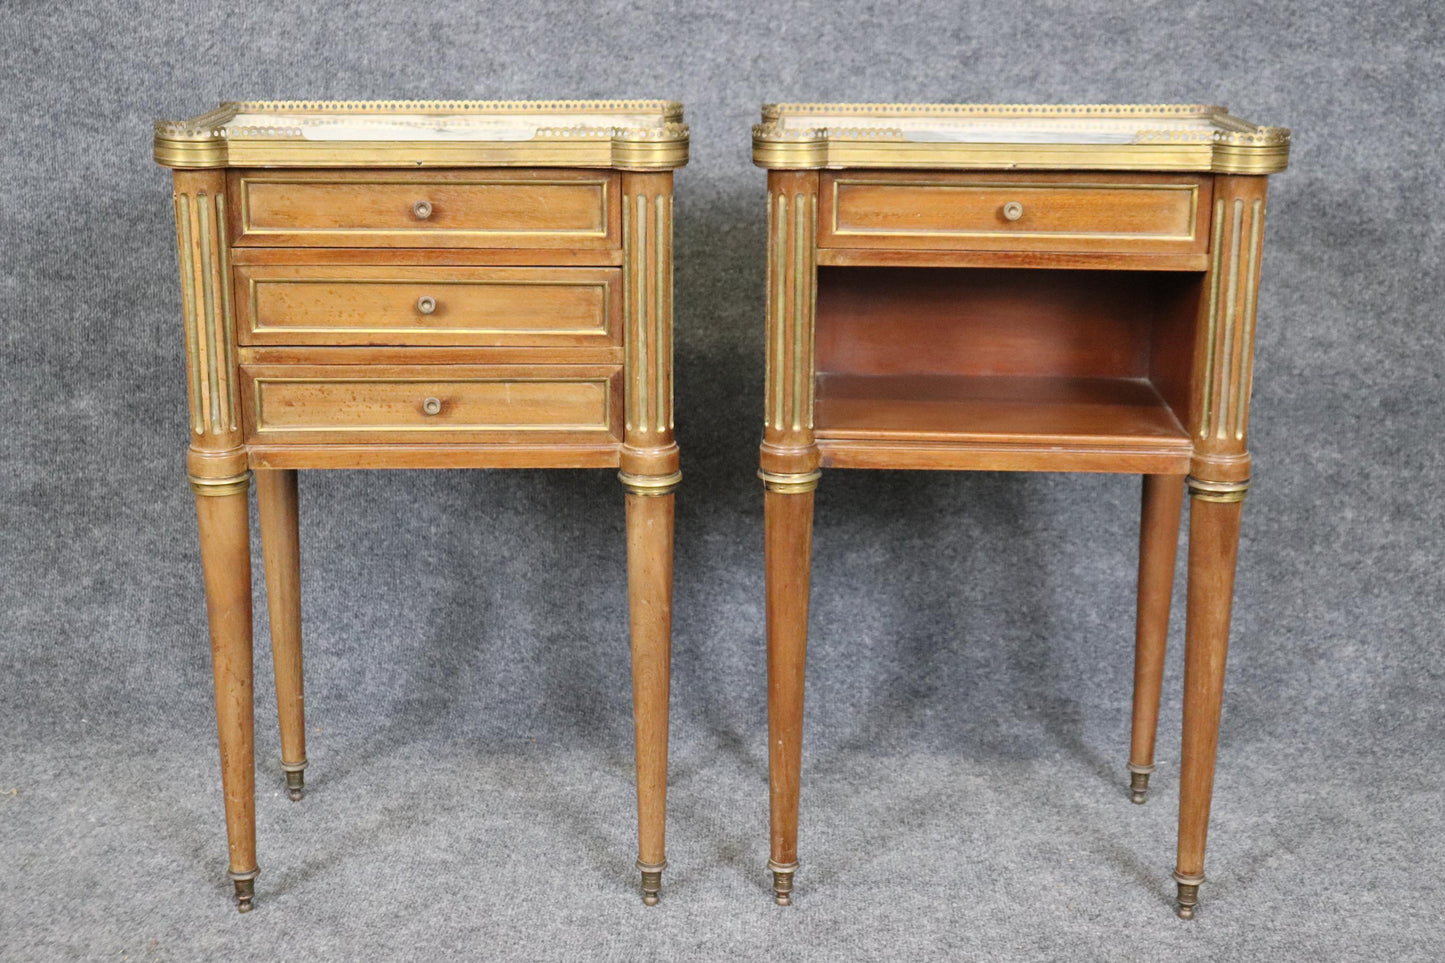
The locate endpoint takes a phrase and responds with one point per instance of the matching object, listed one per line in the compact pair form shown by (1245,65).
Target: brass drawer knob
(426,304)
(1012,211)
(432,406)
(422,210)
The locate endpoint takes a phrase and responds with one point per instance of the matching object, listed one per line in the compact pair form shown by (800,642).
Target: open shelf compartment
(1005,369)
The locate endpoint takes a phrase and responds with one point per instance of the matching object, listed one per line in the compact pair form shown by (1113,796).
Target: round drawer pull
(1012,211)
(432,406)
(426,304)
(422,210)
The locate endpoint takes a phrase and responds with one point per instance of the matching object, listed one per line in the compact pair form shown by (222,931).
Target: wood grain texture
(406,318)
(787,549)
(1153,213)
(1056,260)
(373,355)
(1108,326)
(988,321)
(226,564)
(404,305)
(1213,552)
(432,257)
(997,423)
(387,404)
(278,512)
(468,208)
(435,455)
(649,601)
(1162,503)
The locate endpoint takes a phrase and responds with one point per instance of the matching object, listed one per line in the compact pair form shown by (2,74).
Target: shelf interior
(1074,369)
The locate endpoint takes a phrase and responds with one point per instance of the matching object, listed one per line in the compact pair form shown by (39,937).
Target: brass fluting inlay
(226,320)
(777,335)
(207,311)
(1244,375)
(188,310)
(640,307)
(1231,305)
(207,316)
(662,312)
(791,303)
(647,308)
(1215,254)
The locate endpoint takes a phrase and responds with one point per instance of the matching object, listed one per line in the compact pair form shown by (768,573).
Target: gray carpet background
(470,792)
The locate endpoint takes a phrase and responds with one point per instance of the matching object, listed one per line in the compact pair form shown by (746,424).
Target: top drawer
(431,209)
(1124,213)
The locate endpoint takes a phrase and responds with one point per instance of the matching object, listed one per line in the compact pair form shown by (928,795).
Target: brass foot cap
(783,882)
(651,881)
(296,785)
(245,894)
(1138,787)
(1188,896)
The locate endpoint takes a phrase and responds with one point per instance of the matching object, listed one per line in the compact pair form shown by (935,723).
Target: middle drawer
(285,304)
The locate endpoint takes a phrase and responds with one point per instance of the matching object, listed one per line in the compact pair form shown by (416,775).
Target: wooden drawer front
(1139,213)
(410,404)
(382,305)
(508,209)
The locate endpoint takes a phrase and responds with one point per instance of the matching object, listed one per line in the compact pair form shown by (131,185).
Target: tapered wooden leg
(226,559)
(649,595)
(1213,549)
(281,549)
(788,545)
(1158,544)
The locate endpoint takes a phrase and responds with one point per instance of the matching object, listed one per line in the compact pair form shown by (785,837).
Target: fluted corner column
(650,476)
(1219,477)
(217,468)
(789,469)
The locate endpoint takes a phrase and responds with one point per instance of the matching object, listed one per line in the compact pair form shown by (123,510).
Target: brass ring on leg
(785,484)
(783,881)
(245,884)
(295,779)
(1188,894)
(1139,782)
(651,881)
(230,485)
(650,484)
(1216,491)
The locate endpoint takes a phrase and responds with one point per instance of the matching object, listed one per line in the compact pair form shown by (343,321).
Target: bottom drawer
(411,404)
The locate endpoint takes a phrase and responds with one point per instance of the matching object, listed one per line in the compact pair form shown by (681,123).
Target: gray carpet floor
(470,790)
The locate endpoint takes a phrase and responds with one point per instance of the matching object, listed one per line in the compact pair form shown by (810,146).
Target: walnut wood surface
(921,210)
(1109,327)
(1163,501)
(787,549)
(226,564)
(320,404)
(649,602)
(402,305)
(1051,423)
(469,208)
(277,509)
(548,344)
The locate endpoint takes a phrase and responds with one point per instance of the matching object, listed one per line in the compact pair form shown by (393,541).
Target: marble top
(332,133)
(1158,136)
